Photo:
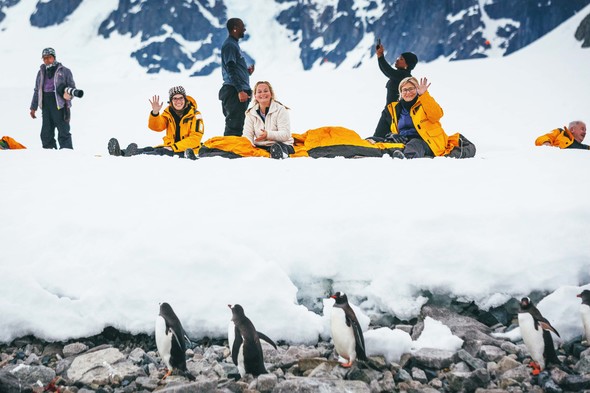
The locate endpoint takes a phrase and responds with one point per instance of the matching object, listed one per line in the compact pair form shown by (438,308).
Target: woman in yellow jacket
(182,122)
(415,122)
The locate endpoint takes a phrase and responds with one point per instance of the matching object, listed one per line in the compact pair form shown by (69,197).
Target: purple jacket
(63,76)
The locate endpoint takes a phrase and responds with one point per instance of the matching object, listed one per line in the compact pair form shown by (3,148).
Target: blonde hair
(405,81)
(272,92)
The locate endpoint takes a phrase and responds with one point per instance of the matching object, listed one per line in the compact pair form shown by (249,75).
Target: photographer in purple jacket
(54,89)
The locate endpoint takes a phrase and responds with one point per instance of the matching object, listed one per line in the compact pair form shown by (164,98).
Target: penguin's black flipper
(268,340)
(541,320)
(235,349)
(360,341)
(547,326)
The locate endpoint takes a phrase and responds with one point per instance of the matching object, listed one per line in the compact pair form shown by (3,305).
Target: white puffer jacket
(277,125)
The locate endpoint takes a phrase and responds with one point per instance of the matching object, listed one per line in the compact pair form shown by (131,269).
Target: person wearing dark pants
(236,92)
(404,65)
(52,96)
(55,118)
(233,109)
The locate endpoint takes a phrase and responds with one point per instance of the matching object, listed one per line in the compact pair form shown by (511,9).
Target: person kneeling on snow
(182,122)
(267,123)
(565,138)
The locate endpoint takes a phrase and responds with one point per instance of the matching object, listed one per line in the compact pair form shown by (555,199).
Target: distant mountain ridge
(185,35)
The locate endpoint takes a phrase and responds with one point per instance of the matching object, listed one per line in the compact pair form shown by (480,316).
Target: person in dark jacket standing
(404,64)
(236,92)
(54,101)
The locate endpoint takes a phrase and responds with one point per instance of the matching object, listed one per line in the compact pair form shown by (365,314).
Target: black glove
(395,138)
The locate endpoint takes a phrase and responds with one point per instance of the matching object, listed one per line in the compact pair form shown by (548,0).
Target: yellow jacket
(426,114)
(559,137)
(191,127)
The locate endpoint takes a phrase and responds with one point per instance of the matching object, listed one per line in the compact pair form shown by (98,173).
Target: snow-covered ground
(89,240)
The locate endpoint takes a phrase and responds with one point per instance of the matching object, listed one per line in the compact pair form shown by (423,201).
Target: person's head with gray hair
(578,130)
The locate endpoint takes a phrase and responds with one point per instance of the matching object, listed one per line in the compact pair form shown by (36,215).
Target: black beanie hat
(411,59)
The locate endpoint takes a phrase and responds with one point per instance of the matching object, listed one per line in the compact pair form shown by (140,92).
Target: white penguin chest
(533,338)
(342,334)
(163,340)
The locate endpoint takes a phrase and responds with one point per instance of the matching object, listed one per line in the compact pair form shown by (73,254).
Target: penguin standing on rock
(244,343)
(346,331)
(536,334)
(170,340)
(585,313)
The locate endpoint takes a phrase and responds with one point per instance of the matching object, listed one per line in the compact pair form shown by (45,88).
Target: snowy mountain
(185,35)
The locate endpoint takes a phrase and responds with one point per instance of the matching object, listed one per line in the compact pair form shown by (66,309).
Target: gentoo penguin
(170,338)
(585,313)
(535,330)
(244,343)
(346,331)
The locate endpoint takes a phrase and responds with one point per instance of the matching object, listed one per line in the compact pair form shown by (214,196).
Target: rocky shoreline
(117,362)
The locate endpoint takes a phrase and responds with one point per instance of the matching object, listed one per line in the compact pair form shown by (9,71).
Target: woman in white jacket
(267,123)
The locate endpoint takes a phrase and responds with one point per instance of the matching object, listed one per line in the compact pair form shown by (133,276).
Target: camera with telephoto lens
(71,91)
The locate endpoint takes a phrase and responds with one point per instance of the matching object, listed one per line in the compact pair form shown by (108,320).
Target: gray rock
(9,383)
(480,390)
(583,365)
(201,385)
(551,387)
(326,370)
(306,364)
(491,353)
(52,349)
(29,375)
(402,376)
(215,353)
(419,375)
(265,383)
(365,375)
(147,382)
(510,348)
(434,358)
(417,387)
(519,374)
(576,383)
(558,375)
(461,367)
(74,349)
(306,385)
(377,362)
(33,359)
(405,328)
(102,367)
(473,362)
(479,378)
(506,383)
(136,356)
(456,380)
(506,363)
(436,383)
(387,383)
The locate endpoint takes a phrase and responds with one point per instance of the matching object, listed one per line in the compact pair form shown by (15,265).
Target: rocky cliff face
(185,35)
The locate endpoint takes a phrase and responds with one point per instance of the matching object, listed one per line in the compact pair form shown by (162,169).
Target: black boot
(114,148)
